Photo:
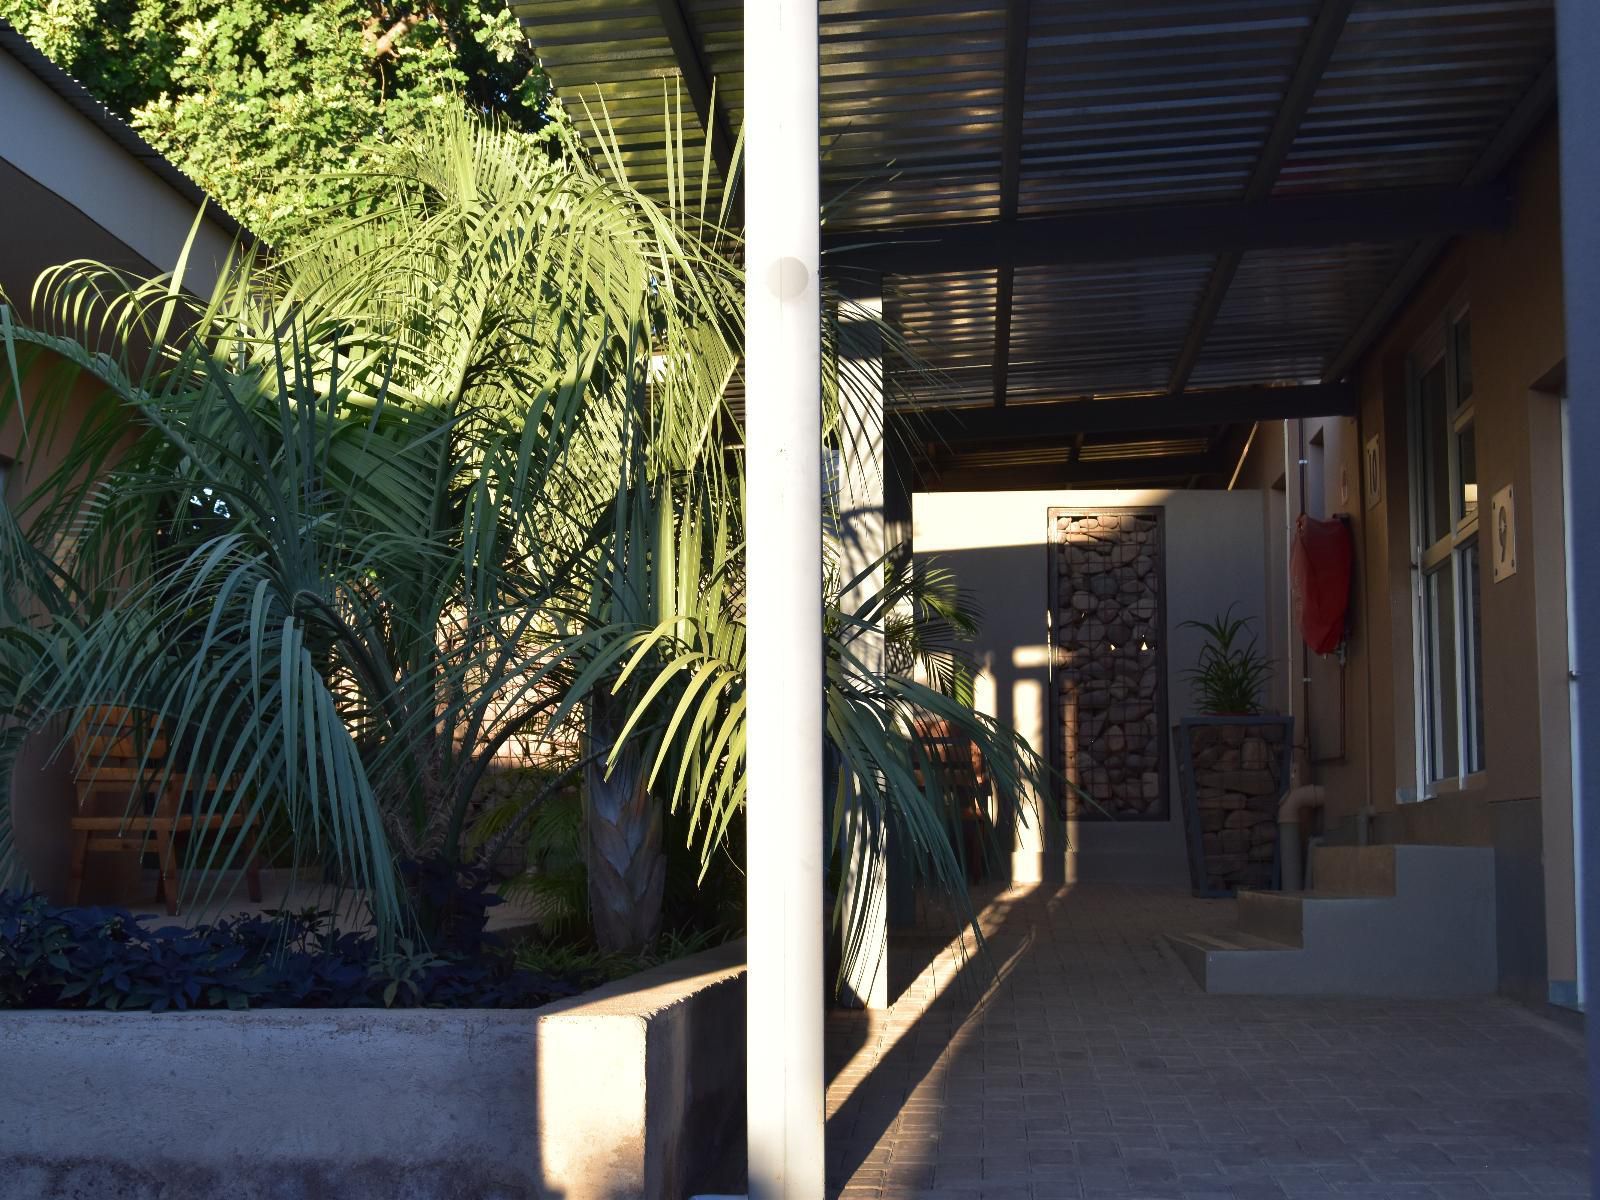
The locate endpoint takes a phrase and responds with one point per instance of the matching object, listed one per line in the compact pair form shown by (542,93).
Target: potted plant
(1233,762)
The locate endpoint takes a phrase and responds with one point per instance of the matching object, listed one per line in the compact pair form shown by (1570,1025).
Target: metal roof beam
(1127,414)
(956,478)
(1018,14)
(1388,215)
(1314,57)
(697,82)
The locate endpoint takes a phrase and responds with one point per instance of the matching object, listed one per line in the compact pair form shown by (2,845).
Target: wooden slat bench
(122,754)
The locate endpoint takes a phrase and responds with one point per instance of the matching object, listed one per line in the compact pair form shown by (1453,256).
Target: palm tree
(458,468)
(346,550)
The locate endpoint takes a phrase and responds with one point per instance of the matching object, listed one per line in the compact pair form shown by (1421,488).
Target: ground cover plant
(109,958)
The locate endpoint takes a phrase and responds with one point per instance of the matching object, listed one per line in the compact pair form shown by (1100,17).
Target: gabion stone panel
(1110,670)
(1239,779)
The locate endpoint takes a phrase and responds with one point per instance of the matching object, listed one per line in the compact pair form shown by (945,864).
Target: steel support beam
(1043,476)
(785,827)
(697,82)
(1130,414)
(1113,235)
(1318,49)
(1577,51)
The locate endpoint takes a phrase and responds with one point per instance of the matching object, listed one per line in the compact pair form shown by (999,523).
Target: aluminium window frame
(1450,552)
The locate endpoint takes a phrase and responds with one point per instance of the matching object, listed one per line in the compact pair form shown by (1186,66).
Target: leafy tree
(275,106)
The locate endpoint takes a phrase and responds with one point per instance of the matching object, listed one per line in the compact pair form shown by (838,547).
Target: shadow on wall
(996,544)
(1007,584)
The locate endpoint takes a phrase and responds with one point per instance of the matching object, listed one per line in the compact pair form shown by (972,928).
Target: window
(1447,566)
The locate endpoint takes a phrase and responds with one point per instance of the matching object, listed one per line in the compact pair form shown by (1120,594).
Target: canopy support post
(783,433)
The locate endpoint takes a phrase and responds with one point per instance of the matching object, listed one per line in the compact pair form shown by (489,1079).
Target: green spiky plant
(450,472)
(1229,674)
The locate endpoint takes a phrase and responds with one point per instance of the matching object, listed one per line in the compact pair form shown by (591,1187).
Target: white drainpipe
(1299,799)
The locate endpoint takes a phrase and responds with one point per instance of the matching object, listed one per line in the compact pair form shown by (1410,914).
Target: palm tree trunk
(623,844)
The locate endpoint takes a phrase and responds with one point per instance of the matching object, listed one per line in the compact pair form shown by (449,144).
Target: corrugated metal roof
(949,322)
(1144,103)
(1152,102)
(1288,310)
(1100,328)
(1415,90)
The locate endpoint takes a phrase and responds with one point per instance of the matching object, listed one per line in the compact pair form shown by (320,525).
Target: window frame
(1452,552)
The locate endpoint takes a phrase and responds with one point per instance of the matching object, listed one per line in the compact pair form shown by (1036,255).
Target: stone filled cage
(1108,687)
(1235,770)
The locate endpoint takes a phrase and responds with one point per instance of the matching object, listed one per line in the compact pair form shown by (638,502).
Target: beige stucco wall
(997,544)
(78,195)
(42,799)
(1511,282)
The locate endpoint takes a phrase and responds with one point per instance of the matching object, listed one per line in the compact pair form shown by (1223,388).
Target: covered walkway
(1095,1067)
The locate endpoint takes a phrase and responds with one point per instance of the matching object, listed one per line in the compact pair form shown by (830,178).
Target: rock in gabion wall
(1110,670)
(1238,775)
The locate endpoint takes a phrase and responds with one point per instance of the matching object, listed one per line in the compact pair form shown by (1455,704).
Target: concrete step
(1285,916)
(1217,959)
(1275,915)
(1418,921)
(1353,870)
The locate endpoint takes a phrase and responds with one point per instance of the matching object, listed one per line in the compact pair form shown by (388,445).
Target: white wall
(997,543)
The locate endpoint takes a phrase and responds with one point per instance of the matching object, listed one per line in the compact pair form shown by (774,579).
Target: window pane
(1463,349)
(1467,471)
(1472,639)
(1437,519)
(1439,645)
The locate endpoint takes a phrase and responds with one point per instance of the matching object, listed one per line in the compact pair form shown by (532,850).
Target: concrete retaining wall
(633,1090)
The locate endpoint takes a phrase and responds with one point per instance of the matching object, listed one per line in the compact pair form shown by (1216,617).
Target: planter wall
(1234,771)
(635,1089)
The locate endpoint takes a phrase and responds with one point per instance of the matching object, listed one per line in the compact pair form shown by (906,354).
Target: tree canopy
(273,106)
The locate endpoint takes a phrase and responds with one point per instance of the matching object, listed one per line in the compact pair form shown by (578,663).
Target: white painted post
(1577,52)
(862,546)
(783,438)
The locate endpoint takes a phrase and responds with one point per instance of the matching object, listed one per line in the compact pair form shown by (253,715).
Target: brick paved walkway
(1095,1067)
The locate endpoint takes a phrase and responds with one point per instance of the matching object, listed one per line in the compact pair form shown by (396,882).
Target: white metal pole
(783,439)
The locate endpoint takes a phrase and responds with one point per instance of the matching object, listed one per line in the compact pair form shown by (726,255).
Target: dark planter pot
(1233,771)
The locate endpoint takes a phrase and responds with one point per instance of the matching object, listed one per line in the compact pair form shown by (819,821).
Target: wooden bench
(124,755)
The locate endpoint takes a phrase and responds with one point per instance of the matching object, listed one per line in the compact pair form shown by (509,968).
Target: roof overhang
(1146,211)
(87,186)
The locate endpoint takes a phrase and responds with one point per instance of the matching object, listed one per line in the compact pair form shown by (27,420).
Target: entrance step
(1356,870)
(1220,958)
(1383,921)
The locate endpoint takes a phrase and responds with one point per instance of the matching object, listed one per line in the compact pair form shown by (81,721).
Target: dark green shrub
(107,958)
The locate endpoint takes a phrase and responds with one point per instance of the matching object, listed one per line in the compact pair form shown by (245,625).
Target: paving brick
(1096,1068)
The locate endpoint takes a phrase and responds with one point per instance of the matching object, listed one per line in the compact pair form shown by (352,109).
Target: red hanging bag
(1319,572)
